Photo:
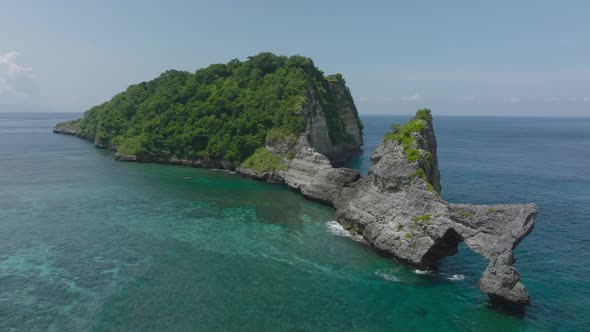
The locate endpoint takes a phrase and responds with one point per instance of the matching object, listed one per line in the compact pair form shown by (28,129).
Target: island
(280,119)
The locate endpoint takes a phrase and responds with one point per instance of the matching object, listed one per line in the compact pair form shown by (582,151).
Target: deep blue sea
(88,243)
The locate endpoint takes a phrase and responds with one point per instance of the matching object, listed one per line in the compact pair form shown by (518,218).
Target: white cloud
(376,99)
(512,100)
(17,82)
(414,97)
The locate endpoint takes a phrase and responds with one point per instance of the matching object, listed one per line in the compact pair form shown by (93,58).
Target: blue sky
(456,57)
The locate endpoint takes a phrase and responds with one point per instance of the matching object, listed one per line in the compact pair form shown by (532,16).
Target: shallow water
(87,243)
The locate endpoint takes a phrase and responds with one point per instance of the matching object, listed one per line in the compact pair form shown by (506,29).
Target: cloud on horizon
(17,83)
(414,97)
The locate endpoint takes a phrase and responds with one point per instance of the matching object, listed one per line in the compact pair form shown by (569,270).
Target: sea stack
(397,208)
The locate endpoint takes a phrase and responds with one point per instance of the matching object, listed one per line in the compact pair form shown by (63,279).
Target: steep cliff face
(334,127)
(333,133)
(317,127)
(352,125)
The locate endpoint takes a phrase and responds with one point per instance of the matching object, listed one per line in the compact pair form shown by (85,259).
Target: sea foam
(456,277)
(335,228)
(387,277)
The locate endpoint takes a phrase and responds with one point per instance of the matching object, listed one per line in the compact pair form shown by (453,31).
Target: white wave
(188,177)
(422,271)
(456,277)
(336,229)
(387,277)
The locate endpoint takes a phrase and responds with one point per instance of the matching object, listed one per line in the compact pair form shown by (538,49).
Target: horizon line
(385,114)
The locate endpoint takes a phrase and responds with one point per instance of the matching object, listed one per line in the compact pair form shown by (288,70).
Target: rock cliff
(333,126)
(397,208)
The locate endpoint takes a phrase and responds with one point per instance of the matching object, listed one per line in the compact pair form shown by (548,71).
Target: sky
(516,58)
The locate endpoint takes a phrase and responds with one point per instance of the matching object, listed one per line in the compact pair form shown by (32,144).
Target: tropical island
(227,112)
(280,119)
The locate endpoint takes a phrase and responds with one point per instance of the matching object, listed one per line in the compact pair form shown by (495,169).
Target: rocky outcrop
(398,210)
(69,128)
(397,207)
(311,173)
(494,231)
(73,128)
(202,162)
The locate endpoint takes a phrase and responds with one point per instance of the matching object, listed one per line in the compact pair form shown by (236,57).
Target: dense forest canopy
(224,111)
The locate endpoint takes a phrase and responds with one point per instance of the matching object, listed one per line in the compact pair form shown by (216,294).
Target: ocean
(88,243)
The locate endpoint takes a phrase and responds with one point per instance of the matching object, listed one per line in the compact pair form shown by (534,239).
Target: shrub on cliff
(405,134)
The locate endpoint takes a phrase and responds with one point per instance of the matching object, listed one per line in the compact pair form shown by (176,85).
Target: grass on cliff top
(404,134)
(264,161)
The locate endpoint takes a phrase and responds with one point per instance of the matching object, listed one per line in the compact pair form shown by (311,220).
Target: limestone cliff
(398,210)
(334,128)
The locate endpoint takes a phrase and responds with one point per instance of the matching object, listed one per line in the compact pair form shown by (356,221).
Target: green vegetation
(224,111)
(490,210)
(466,214)
(424,114)
(404,134)
(281,134)
(264,161)
(424,218)
(421,221)
(408,235)
(72,123)
(420,173)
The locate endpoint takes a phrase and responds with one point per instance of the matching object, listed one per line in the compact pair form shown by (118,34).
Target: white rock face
(319,129)
(319,133)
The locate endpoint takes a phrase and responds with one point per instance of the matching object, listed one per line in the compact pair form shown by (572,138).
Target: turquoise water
(87,243)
